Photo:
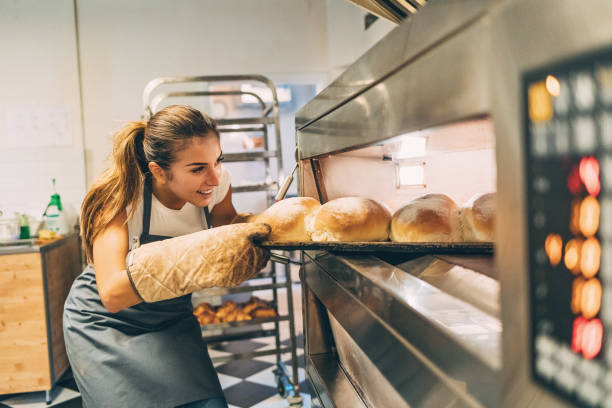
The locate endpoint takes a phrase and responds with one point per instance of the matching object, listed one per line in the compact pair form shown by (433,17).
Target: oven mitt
(223,257)
(243,217)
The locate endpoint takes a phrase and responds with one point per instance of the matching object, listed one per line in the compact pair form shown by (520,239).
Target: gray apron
(147,355)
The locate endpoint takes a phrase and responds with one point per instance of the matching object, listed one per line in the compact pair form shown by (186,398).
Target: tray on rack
(482,248)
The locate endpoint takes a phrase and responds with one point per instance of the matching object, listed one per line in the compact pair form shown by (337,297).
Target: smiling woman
(147,230)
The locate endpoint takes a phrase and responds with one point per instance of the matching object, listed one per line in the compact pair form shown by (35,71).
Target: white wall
(40,116)
(125,46)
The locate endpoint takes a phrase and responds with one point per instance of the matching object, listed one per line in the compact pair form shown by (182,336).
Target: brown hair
(138,143)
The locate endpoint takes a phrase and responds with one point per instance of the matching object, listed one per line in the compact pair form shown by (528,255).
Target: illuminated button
(546,368)
(566,379)
(562,136)
(553,86)
(589,175)
(584,135)
(584,90)
(575,216)
(604,76)
(590,302)
(554,248)
(540,106)
(577,332)
(573,249)
(606,218)
(590,257)
(589,392)
(539,139)
(605,124)
(576,302)
(592,338)
(589,216)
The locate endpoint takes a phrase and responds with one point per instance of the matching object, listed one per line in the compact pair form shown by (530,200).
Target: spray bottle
(55,219)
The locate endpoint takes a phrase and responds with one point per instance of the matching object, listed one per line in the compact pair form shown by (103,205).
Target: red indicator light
(573,182)
(592,337)
(587,337)
(589,174)
(579,324)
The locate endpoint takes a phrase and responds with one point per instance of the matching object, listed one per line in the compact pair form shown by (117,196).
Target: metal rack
(269,118)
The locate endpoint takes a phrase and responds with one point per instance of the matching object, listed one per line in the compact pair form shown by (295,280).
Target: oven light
(573,181)
(553,86)
(572,255)
(578,329)
(554,248)
(410,175)
(589,174)
(590,301)
(575,217)
(577,295)
(590,257)
(592,338)
(589,216)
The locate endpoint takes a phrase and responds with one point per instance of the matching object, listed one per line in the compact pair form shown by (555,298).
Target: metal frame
(270,116)
(453,61)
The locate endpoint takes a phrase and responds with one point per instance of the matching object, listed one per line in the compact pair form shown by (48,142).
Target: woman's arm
(224,212)
(109,251)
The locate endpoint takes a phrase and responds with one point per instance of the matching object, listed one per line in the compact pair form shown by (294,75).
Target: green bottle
(24,227)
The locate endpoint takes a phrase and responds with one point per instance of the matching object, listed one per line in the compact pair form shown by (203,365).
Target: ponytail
(118,187)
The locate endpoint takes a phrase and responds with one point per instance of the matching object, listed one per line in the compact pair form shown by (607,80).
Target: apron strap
(146,213)
(207,217)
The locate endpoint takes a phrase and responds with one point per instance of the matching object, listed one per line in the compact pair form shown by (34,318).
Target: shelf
(249,156)
(243,289)
(245,121)
(240,336)
(243,323)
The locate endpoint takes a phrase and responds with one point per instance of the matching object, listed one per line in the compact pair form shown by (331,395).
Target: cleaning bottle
(55,219)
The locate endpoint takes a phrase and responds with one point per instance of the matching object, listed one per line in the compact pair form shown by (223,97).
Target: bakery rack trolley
(153,96)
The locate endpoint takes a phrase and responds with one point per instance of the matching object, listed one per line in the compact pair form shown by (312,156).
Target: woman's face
(196,171)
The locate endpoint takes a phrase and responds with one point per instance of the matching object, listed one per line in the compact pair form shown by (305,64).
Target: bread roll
(430,218)
(351,219)
(288,218)
(478,219)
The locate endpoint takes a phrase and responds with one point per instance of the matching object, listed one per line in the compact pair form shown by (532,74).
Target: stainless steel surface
(527,35)
(453,61)
(426,343)
(386,247)
(332,386)
(410,41)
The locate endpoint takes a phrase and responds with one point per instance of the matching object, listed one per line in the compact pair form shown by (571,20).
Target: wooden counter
(34,283)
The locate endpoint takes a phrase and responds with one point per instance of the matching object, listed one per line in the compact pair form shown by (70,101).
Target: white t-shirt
(173,223)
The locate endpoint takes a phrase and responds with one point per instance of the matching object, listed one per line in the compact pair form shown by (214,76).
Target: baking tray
(482,248)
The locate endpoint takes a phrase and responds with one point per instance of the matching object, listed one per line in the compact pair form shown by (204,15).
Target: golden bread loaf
(350,219)
(430,218)
(478,219)
(288,218)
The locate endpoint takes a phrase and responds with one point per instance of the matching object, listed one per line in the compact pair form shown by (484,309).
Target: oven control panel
(568,147)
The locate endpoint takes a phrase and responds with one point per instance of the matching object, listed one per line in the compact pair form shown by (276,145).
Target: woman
(130,333)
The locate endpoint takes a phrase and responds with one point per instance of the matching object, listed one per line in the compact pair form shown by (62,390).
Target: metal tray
(484,248)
